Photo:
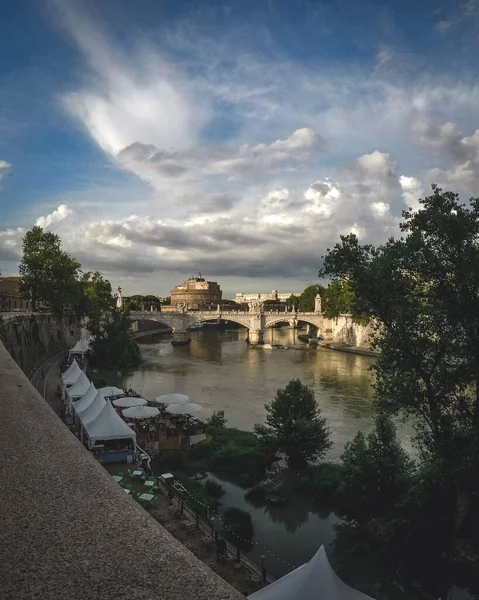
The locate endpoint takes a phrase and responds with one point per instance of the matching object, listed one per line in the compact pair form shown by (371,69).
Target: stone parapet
(67,529)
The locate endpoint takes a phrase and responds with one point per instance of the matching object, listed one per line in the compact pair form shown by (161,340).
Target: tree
(50,276)
(306,300)
(376,471)
(294,427)
(96,299)
(337,299)
(217,419)
(113,344)
(423,291)
(293,302)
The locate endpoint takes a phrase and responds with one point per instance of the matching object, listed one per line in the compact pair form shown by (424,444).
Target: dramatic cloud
(56,216)
(461,150)
(4,167)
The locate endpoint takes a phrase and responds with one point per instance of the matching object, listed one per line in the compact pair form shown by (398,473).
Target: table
(127,491)
(149,483)
(117,478)
(147,497)
(137,473)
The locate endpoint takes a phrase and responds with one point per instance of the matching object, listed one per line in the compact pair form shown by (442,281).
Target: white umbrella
(185,408)
(110,391)
(172,399)
(129,402)
(140,412)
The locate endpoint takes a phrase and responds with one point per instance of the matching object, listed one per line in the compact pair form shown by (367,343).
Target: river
(219,371)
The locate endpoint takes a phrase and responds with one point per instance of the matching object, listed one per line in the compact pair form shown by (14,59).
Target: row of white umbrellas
(136,408)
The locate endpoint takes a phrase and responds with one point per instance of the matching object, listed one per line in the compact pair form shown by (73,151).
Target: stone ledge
(68,531)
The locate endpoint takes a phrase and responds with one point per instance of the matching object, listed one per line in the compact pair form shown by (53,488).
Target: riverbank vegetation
(53,281)
(422,290)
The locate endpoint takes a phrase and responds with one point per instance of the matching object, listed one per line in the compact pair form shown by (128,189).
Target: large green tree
(423,291)
(377,471)
(96,299)
(113,344)
(50,276)
(306,300)
(294,427)
(337,299)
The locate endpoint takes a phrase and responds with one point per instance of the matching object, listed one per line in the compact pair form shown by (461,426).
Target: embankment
(29,338)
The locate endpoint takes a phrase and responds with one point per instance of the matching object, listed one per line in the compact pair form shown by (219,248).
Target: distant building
(10,297)
(241,298)
(196,292)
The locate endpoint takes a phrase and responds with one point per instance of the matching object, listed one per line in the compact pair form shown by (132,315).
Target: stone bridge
(256,321)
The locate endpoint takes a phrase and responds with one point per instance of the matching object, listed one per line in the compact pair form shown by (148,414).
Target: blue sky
(159,138)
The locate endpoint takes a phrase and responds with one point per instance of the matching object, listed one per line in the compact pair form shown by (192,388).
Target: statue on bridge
(255,306)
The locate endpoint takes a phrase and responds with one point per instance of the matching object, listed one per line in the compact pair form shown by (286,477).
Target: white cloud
(4,167)
(412,190)
(60,213)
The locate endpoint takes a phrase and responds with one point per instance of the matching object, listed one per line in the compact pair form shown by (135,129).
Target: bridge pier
(180,338)
(255,336)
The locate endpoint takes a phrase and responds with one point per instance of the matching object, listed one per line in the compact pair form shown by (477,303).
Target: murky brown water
(221,372)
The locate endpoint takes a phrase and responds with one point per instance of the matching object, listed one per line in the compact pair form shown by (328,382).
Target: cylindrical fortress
(196,292)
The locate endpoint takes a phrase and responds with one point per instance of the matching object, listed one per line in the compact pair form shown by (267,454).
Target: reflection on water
(221,372)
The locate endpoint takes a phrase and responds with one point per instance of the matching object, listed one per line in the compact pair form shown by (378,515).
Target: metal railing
(208,528)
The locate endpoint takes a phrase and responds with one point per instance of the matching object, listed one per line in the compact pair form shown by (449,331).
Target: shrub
(321,481)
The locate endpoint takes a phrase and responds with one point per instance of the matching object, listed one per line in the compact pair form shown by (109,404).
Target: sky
(239,139)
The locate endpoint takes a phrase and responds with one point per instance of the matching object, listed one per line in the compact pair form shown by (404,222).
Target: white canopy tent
(172,399)
(110,391)
(79,388)
(129,402)
(81,347)
(93,410)
(85,400)
(71,374)
(108,426)
(140,412)
(184,408)
(314,580)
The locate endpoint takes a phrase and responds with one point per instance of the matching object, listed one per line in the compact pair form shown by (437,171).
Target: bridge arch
(298,319)
(153,320)
(233,319)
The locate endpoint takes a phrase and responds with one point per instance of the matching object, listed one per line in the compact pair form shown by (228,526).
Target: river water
(221,372)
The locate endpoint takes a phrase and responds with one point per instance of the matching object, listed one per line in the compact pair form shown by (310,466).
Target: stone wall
(345,331)
(68,530)
(31,338)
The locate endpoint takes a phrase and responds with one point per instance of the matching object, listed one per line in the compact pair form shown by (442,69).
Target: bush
(238,527)
(234,451)
(170,460)
(321,481)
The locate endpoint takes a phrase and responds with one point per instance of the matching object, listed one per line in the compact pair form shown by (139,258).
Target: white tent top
(93,410)
(108,426)
(86,399)
(80,347)
(183,408)
(314,580)
(79,388)
(140,412)
(110,391)
(71,374)
(172,399)
(128,402)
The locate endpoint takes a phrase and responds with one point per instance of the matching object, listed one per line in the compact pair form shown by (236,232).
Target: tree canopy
(423,292)
(49,274)
(306,300)
(294,427)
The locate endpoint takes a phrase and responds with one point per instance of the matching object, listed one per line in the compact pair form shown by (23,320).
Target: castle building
(197,293)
